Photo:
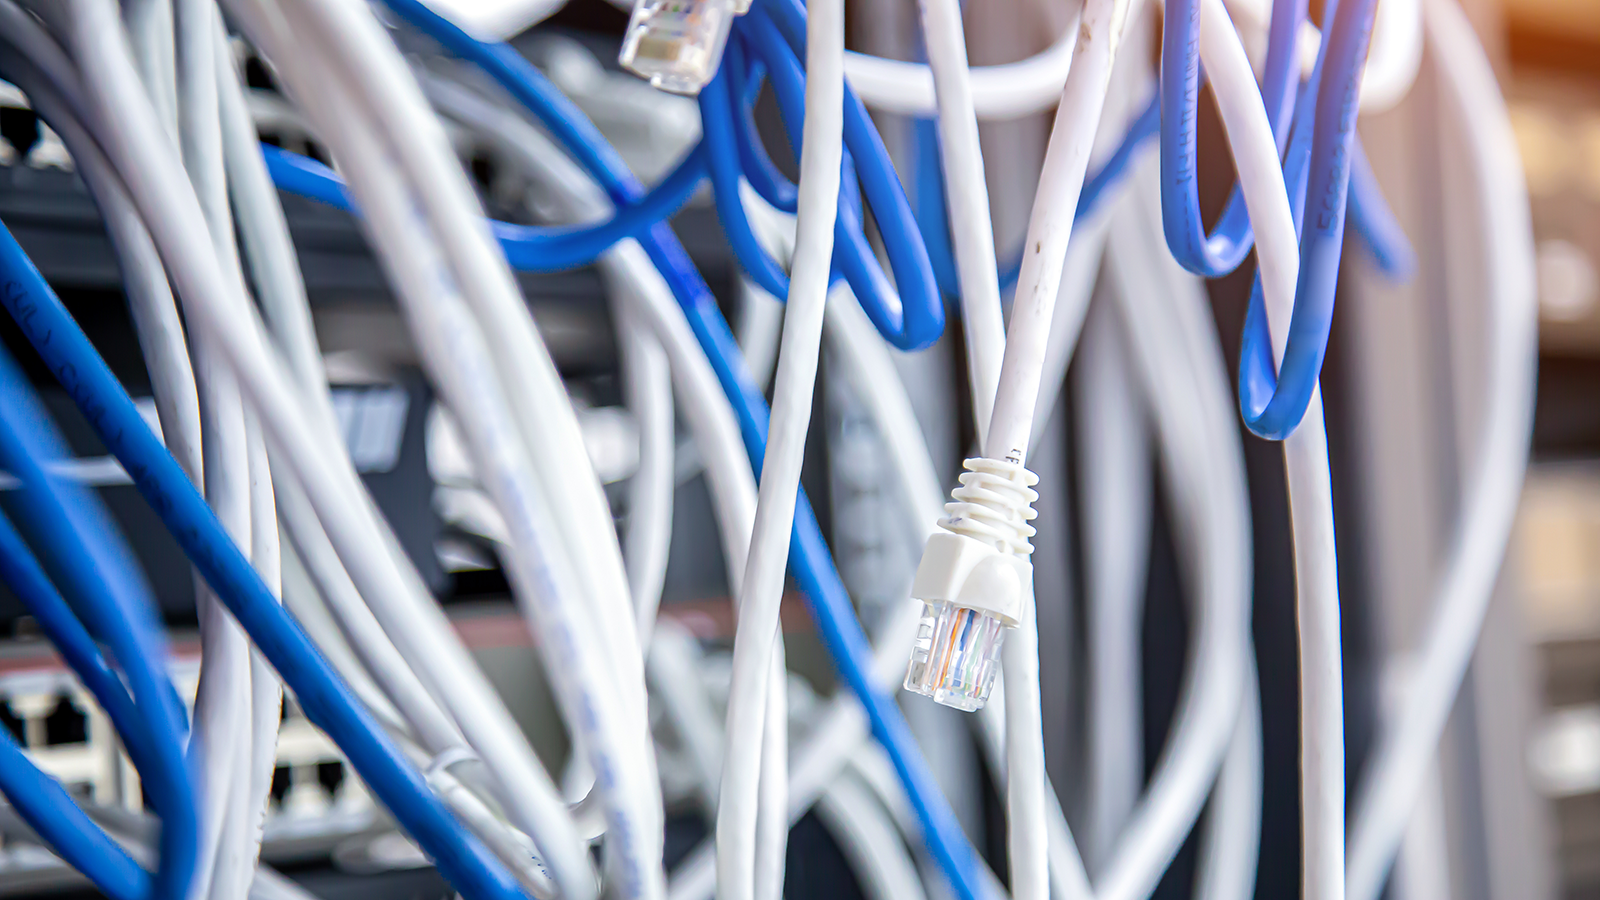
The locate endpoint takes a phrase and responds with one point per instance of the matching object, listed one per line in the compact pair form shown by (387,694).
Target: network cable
(83,553)
(830,605)
(482,807)
(321,694)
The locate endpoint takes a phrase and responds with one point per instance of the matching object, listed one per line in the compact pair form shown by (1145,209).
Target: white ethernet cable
(1006,442)
(151,33)
(1006,91)
(454,349)
(647,391)
(1305,460)
(1114,495)
(50,81)
(264,235)
(1203,463)
(1018,89)
(446,760)
(732,481)
(869,840)
(455,353)
(266,691)
(974,577)
(971,229)
(130,131)
(1395,56)
(356,45)
(238,702)
(222,742)
(747,764)
(1176,346)
(1231,842)
(642,291)
(302,598)
(399,684)
(1406,744)
(842,730)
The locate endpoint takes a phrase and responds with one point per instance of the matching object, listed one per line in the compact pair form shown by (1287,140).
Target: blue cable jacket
(746,74)
(83,553)
(21,572)
(1375,222)
(718,110)
(47,807)
(1229,243)
(813,564)
(919,319)
(932,211)
(1273,404)
(531,248)
(327,702)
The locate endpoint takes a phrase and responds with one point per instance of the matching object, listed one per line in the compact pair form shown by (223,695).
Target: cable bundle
(149,100)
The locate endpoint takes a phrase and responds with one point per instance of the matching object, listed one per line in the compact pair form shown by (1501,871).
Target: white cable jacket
(432,727)
(1032,85)
(455,353)
(266,691)
(761,590)
(732,481)
(219,747)
(132,133)
(869,840)
(1027,338)
(1115,495)
(302,598)
(1050,230)
(353,40)
(1204,467)
(1398,766)
(967,193)
(1007,91)
(151,35)
(223,744)
(647,390)
(1305,462)
(1395,55)
(1231,843)
(264,237)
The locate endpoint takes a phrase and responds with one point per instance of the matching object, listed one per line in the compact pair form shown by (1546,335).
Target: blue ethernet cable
(1229,243)
(529,247)
(21,572)
(830,604)
(919,319)
(1273,403)
(46,806)
(83,554)
(1375,222)
(746,74)
(322,694)
(718,110)
(930,203)
(38,798)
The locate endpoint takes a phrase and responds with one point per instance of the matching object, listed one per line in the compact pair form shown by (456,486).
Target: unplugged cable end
(677,44)
(972,593)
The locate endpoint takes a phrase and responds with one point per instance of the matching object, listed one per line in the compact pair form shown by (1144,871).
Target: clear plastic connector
(677,44)
(956,655)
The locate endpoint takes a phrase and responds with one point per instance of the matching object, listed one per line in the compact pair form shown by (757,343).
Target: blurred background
(1512,809)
